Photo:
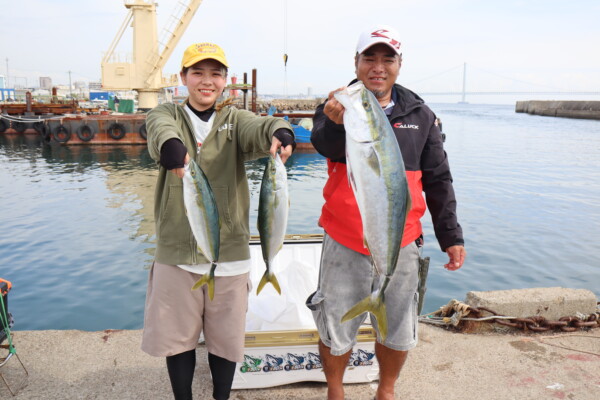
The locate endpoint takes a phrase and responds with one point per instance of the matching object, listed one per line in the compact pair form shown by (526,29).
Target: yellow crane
(144,72)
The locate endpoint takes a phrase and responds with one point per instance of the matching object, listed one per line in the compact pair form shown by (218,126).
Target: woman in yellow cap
(219,138)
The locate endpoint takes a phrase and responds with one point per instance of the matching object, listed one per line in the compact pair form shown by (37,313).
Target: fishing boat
(301,123)
(302,134)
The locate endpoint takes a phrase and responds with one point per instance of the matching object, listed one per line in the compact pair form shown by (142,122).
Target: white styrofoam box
(296,267)
(283,357)
(281,337)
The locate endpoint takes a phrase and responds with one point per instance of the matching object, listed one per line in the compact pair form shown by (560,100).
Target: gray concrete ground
(445,365)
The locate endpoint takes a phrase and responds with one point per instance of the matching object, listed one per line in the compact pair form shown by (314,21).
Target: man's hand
(333,109)
(179,171)
(456,256)
(286,151)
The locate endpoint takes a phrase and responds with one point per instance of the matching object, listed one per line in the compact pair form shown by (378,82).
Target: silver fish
(378,179)
(203,216)
(273,207)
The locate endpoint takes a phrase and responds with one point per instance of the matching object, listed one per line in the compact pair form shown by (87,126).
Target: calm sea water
(77,231)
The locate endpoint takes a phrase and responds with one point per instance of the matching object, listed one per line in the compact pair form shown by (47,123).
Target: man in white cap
(346,269)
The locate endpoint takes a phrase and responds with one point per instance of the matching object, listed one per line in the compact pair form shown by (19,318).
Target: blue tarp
(101,96)
(302,134)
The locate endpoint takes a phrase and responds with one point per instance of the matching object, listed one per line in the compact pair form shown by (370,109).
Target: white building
(45,82)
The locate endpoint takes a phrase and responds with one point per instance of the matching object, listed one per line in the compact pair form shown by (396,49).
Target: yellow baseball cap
(203,51)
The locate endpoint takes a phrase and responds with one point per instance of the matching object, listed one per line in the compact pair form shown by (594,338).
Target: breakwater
(283,105)
(564,109)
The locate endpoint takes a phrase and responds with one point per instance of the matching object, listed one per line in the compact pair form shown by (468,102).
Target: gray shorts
(345,278)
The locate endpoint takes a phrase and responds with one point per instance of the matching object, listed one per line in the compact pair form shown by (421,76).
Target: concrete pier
(565,109)
(445,364)
(550,303)
(65,365)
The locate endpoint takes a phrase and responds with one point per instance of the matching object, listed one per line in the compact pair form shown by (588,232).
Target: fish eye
(366,105)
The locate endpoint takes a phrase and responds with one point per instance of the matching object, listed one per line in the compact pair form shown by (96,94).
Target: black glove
(172,154)
(285,137)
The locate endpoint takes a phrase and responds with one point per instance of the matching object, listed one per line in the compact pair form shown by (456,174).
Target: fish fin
(373,162)
(268,277)
(375,307)
(201,282)
(275,283)
(209,280)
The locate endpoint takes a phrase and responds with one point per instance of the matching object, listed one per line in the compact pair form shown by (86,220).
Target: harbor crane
(143,73)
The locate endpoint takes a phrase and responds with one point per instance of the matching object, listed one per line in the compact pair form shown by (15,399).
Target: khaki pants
(175,315)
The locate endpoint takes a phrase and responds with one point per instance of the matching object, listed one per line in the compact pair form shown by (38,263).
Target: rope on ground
(455,312)
(450,314)
(542,338)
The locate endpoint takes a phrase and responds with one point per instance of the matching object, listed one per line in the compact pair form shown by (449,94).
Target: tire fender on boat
(143,132)
(19,126)
(85,133)
(116,131)
(42,129)
(61,133)
(3,125)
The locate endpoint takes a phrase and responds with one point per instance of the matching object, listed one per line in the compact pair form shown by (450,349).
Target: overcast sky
(508,45)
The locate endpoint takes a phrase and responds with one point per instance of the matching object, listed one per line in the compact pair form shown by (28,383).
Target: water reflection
(77,232)
(125,157)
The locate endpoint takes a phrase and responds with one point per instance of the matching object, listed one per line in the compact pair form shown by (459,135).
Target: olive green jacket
(236,136)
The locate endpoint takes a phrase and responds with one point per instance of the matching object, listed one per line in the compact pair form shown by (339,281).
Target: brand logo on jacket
(225,127)
(400,125)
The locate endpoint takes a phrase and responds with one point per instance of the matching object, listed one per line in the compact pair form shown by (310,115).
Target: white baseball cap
(379,34)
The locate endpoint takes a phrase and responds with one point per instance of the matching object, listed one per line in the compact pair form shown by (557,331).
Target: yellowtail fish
(203,216)
(273,207)
(378,179)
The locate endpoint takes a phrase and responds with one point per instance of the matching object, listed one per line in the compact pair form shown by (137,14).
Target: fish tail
(375,306)
(209,280)
(268,277)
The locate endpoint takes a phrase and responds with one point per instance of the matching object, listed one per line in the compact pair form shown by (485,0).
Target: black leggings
(181,372)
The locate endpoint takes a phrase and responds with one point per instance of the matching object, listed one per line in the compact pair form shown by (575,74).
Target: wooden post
(254,90)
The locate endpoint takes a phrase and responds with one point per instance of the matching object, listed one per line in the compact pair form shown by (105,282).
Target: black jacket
(425,160)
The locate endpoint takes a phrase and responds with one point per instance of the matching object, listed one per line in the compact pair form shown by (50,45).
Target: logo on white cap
(384,33)
(381,34)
